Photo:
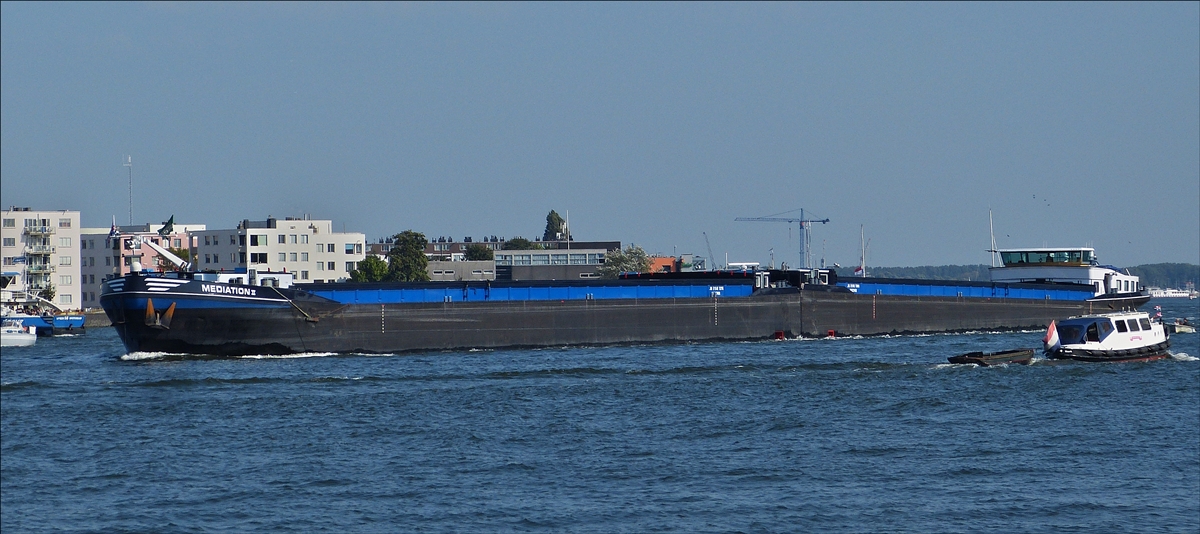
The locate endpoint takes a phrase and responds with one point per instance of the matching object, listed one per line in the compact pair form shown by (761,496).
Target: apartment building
(307,248)
(40,251)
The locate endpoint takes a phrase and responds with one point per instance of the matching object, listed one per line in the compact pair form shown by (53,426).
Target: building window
(303,256)
(241,240)
(233,257)
(331,266)
(320,266)
(206,243)
(64,280)
(304,275)
(64,242)
(64,223)
(10,241)
(92,261)
(64,260)
(330,248)
(241,257)
(303,239)
(349,248)
(292,239)
(258,240)
(208,258)
(176,243)
(258,257)
(64,299)
(107,261)
(10,223)
(282,255)
(292,256)
(282,239)
(349,266)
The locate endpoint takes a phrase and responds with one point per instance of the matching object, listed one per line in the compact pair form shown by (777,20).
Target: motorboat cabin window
(1121,326)
(1133,325)
(1145,323)
(1093,333)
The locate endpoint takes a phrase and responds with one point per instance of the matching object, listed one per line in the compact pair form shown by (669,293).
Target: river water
(855,434)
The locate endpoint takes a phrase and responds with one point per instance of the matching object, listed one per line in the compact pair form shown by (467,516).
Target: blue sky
(1076,124)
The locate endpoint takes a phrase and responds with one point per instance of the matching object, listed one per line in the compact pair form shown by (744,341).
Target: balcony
(39,230)
(39,269)
(39,249)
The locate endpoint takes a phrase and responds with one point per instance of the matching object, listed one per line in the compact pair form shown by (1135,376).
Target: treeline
(1171,275)
(929,272)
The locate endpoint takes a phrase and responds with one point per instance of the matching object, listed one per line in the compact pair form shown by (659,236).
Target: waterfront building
(554,260)
(40,251)
(307,248)
(104,254)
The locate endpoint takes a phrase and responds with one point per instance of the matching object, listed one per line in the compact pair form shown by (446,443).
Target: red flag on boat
(1051,340)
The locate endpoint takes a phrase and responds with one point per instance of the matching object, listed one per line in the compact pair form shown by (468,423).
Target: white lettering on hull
(229,290)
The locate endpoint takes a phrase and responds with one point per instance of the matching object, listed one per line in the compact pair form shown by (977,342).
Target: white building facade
(307,248)
(40,251)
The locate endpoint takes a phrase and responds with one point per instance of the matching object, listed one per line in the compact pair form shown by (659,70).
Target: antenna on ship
(992,230)
(862,260)
(129,163)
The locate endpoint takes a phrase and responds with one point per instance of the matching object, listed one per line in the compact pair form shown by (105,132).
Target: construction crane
(804,224)
(712,259)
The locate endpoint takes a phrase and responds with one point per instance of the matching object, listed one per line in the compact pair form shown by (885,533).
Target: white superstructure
(1076,265)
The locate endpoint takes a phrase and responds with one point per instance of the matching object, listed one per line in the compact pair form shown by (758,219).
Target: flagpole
(129,163)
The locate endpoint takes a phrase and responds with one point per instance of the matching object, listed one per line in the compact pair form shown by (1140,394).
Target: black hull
(296,321)
(1018,356)
(1141,354)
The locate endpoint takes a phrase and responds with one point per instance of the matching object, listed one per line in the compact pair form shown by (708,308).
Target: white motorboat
(15,334)
(1108,337)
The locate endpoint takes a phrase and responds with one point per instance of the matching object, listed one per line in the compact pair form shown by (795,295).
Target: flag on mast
(113,233)
(168,227)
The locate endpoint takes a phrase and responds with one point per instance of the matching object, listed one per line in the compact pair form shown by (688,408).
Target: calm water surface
(876,434)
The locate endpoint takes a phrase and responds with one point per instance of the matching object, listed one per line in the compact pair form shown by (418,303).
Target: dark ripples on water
(815,435)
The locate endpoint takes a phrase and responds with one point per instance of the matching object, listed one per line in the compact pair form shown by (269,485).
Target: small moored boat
(1109,337)
(982,359)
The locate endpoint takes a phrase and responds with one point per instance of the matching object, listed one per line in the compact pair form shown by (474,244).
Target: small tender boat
(1109,337)
(1180,326)
(982,359)
(14,334)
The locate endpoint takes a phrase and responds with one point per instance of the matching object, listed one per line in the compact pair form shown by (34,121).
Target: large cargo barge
(264,313)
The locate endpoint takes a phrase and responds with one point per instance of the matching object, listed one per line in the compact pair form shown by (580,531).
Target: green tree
(555,226)
(477,252)
(183,253)
(371,269)
(520,243)
(632,260)
(406,260)
(47,293)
